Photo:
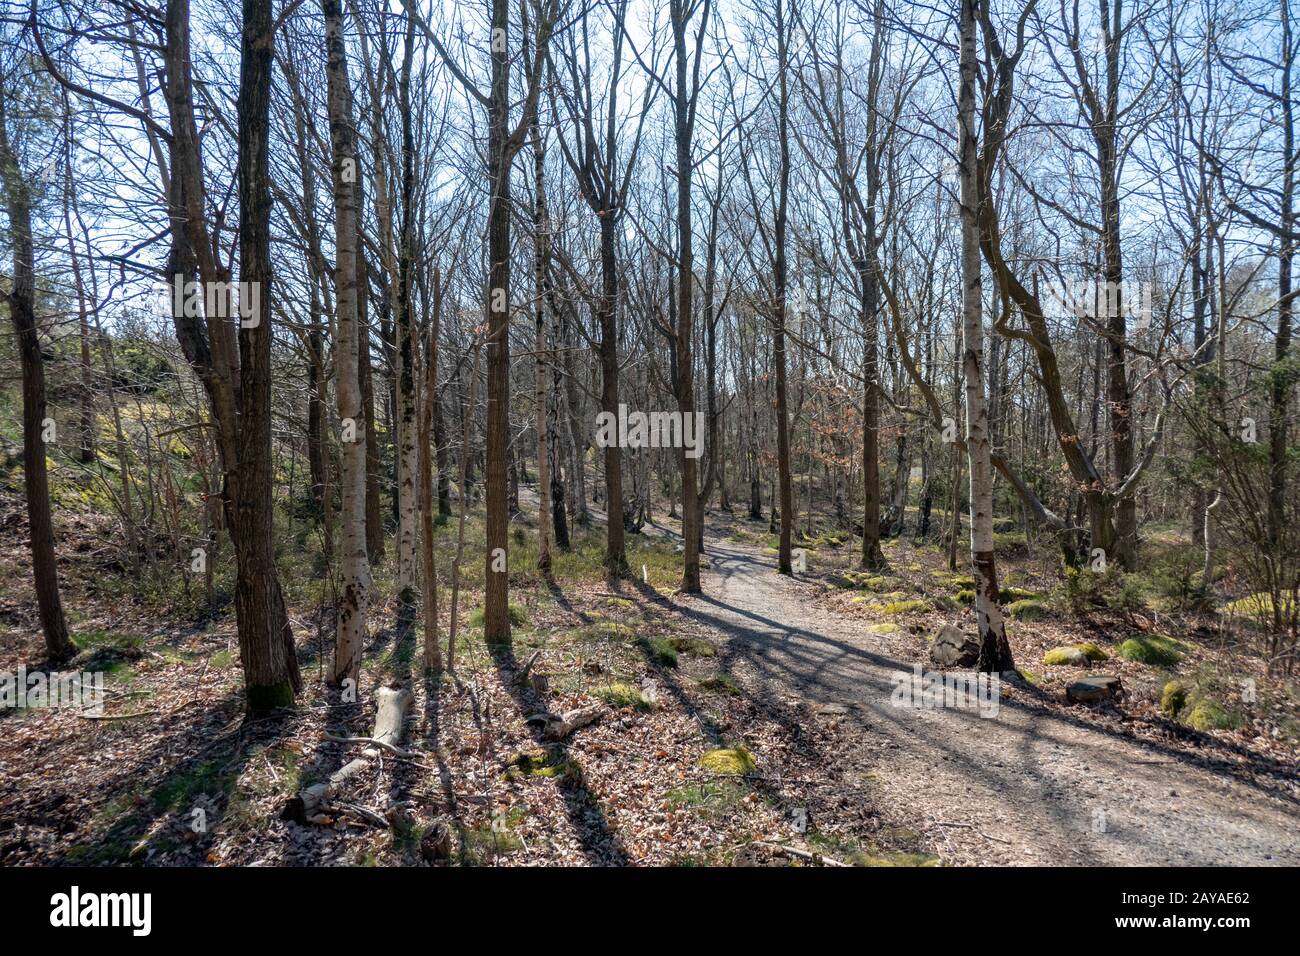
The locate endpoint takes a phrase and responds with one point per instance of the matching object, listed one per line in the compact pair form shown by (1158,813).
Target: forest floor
(750,725)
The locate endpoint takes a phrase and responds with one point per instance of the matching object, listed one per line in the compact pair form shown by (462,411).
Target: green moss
(966,596)
(885,627)
(894,608)
(1156,650)
(1207,714)
(729,760)
(691,645)
(1026,610)
(603,630)
(518,615)
(622,604)
(720,684)
(1093,652)
(1173,698)
(110,640)
(1009,541)
(623,695)
(659,650)
(1065,656)
(538,762)
(269,697)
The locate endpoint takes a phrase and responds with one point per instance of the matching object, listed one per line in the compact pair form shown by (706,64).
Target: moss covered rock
(1207,714)
(1026,610)
(1173,698)
(1156,650)
(1093,652)
(737,761)
(623,695)
(1066,656)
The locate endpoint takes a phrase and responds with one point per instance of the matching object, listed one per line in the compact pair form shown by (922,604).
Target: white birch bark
(354,596)
(995,653)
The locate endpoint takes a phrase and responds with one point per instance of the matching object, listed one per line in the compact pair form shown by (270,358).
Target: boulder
(1072,656)
(952,648)
(1089,690)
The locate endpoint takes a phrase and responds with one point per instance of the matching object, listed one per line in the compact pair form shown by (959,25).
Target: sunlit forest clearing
(791,433)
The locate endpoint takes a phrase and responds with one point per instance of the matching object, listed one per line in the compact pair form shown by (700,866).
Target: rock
(1092,689)
(1073,656)
(952,648)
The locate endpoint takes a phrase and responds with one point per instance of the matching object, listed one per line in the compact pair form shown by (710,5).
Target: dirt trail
(1027,786)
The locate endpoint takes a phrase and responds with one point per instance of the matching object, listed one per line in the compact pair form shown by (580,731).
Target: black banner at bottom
(333,906)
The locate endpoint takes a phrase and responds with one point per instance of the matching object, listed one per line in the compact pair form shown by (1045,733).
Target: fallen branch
(815,858)
(139,713)
(390,716)
(557,728)
(374,742)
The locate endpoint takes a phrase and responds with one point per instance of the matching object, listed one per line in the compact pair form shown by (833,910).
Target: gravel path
(1028,786)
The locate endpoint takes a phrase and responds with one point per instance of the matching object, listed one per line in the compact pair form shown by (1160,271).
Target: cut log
(392,704)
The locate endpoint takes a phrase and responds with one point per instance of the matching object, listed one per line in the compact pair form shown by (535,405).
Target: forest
(767,433)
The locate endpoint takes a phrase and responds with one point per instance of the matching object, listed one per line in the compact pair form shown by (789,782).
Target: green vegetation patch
(1173,698)
(1065,656)
(518,615)
(736,761)
(1026,610)
(719,684)
(1156,650)
(691,645)
(660,650)
(710,799)
(895,608)
(537,762)
(1207,714)
(622,695)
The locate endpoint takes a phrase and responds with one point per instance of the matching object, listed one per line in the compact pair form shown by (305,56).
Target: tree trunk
(432,653)
(779,305)
(496,627)
(354,598)
(541,255)
(22,310)
(683,118)
(408,346)
(995,652)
